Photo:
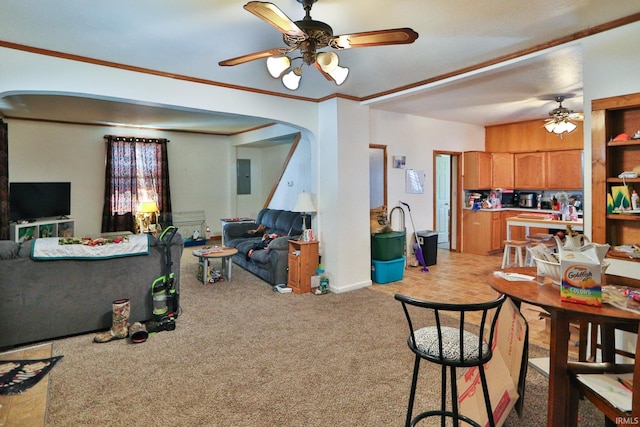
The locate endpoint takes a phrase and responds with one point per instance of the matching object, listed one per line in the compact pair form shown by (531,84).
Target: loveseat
(270,264)
(46,299)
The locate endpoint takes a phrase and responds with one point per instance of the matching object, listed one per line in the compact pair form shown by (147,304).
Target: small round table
(207,252)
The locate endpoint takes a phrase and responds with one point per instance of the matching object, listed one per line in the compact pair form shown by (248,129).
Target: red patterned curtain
(137,170)
(4,181)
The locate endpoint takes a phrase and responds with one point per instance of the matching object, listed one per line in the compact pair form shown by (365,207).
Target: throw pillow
(8,249)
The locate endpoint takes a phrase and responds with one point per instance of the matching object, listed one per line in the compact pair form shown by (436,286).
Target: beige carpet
(243,355)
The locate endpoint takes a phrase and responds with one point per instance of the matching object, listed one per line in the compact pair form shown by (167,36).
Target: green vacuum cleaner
(166,299)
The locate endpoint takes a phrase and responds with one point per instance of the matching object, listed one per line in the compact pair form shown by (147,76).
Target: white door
(443,197)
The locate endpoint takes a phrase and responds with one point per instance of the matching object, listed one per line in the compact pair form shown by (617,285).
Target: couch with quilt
(265,252)
(59,295)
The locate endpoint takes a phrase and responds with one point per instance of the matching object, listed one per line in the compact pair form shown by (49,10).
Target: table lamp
(304,204)
(145,210)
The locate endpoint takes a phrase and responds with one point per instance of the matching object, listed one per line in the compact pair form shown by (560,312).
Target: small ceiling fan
(308,36)
(560,118)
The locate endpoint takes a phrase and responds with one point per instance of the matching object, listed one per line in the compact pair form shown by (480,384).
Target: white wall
(417,138)
(611,68)
(41,151)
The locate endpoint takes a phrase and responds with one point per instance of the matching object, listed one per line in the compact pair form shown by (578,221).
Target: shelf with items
(48,227)
(611,118)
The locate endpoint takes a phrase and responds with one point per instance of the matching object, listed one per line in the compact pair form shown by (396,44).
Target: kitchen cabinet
(611,117)
(564,170)
(530,170)
(477,170)
(502,170)
(481,232)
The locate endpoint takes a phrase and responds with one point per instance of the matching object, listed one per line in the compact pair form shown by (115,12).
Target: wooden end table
(221,252)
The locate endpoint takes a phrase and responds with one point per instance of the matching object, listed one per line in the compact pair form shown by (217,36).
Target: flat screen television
(33,200)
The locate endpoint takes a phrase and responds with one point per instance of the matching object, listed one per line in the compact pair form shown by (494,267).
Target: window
(136,171)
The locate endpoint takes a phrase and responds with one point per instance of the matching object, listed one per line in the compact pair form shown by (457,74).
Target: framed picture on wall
(399,162)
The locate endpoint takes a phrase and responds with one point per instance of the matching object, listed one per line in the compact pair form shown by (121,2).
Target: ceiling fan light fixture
(559,122)
(278,65)
(291,80)
(339,75)
(328,61)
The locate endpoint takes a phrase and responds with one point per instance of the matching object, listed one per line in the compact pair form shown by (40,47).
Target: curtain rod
(136,139)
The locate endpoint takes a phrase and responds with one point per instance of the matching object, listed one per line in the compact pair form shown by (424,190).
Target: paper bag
(503,370)
(502,392)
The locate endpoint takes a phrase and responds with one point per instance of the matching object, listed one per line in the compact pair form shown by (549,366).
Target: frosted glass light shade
(277,65)
(328,61)
(291,80)
(339,75)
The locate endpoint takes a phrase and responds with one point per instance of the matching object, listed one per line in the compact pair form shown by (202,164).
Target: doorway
(447,180)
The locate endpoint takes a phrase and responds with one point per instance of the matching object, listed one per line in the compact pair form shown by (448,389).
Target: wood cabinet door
(502,170)
(496,231)
(530,170)
(564,170)
(477,170)
(476,232)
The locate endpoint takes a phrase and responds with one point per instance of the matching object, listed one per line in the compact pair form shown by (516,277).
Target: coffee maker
(527,200)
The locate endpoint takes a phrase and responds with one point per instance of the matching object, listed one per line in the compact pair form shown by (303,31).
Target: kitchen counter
(544,223)
(527,210)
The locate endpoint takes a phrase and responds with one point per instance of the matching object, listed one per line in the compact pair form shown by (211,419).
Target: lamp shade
(339,74)
(291,80)
(278,65)
(148,206)
(328,61)
(304,203)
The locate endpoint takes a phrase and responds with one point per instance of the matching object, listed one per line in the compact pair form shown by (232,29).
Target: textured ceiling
(448,73)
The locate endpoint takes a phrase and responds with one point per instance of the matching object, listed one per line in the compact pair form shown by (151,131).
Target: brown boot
(120,326)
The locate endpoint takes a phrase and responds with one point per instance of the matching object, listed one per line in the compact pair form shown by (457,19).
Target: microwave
(509,198)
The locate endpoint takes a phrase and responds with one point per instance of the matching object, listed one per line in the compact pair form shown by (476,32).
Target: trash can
(388,246)
(428,241)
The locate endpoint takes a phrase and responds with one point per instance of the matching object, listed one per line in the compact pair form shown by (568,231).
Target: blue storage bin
(387,271)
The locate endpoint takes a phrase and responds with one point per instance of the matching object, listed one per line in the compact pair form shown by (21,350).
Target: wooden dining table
(543,293)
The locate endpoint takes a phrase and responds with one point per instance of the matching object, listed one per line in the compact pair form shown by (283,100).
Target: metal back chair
(451,347)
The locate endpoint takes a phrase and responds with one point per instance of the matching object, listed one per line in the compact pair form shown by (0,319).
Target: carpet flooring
(243,355)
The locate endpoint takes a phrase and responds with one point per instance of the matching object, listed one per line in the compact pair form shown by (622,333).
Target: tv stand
(22,231)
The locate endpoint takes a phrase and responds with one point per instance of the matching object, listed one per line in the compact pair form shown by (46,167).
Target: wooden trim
(553,43)
(616,102)
(284,168)
(384,177)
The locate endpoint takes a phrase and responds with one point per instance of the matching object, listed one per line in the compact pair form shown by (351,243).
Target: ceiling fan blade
(271,14)
(374,38)
(252,57)
(576,116)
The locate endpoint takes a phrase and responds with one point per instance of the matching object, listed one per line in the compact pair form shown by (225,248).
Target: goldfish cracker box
(581,276)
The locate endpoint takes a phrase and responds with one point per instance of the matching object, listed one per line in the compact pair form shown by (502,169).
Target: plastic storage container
(387,271)
(388,246)
(428,241)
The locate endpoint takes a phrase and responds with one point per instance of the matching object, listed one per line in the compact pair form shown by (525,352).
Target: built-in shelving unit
(610,118)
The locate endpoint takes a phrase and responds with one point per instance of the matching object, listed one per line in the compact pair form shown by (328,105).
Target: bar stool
(451,347)
(517,248)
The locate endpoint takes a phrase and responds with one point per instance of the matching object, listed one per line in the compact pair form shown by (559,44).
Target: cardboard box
(503,371)
(581,276)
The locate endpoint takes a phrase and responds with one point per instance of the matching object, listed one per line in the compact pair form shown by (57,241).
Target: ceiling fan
(308,36)
(560,118)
